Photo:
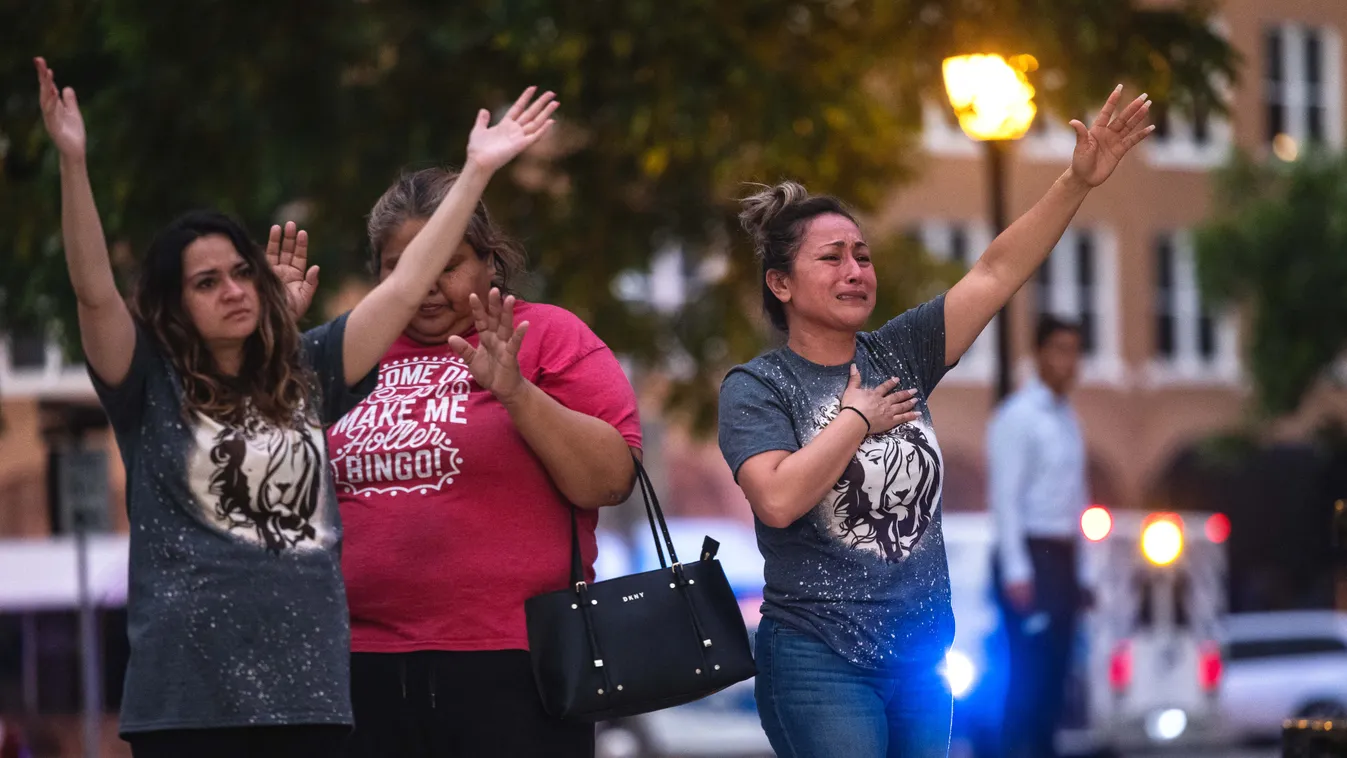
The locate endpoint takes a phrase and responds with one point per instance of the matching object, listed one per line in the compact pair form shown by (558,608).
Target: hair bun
(760,208)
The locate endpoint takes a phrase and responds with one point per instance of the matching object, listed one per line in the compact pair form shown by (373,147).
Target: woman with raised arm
(459,480)
(831,440)
(236,609)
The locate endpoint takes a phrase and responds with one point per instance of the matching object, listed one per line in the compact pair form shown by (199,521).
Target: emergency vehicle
(1149,667)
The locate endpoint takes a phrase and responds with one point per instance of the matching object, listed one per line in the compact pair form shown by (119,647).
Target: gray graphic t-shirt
(865,570)
(236,609)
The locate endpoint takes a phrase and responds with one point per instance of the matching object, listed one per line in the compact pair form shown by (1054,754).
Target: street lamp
(994,102)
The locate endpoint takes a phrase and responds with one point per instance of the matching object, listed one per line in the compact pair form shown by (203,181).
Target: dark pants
(434,704)
(304,741)
(1040,643)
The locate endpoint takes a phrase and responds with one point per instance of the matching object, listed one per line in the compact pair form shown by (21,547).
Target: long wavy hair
(273,381)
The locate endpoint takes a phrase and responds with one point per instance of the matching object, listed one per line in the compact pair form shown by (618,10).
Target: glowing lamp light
(1162,539)
(1217,528)
(991,95)
(1096,523)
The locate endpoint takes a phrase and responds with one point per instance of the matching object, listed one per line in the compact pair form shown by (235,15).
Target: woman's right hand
(60,113)
(885,407)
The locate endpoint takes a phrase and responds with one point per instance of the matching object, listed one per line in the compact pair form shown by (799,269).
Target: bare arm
(106,330)
(1018,251)
(376,322)
(586,457)
(782,486)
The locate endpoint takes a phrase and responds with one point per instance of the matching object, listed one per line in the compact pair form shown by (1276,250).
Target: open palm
(524,124)
(1101,147)
(494,363)
(60,112)
(288,254)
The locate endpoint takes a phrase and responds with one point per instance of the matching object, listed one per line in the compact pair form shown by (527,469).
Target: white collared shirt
(1037,483)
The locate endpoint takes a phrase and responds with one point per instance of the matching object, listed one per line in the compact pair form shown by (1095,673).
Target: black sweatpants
(1040,649)
(435,704)
(301,741)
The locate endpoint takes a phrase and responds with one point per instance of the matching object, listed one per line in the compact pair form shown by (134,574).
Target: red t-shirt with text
(450,521)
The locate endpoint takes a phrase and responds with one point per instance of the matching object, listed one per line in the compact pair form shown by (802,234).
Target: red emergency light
(1120,667)
(1096,523)
(1217,528)
(1209,666)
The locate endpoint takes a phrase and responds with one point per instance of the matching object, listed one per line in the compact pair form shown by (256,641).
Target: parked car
(1281,665)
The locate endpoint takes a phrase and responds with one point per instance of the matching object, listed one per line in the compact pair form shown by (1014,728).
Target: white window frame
(54,379)
(1187,366)
(1104,367)
(1295,96)
(1180,149)
(978,364)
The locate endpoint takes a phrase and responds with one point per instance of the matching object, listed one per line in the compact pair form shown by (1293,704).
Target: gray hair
(416,195)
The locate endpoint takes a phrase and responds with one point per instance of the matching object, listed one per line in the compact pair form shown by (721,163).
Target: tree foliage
(1279,246)
(267,110)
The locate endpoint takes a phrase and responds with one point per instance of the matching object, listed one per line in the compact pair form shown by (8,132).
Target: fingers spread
(461,347)
(517,339)
(521,103)
(1138,115)
(1110,105)
(274,245)
(532,112)
(478,312)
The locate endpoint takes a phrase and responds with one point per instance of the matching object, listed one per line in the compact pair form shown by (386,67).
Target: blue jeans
(815,704)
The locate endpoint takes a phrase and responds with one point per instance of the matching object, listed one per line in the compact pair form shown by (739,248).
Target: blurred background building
(1165,378)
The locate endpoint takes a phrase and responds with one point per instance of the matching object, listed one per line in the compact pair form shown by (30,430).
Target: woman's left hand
(288,254)
(1101,147)
(494,363)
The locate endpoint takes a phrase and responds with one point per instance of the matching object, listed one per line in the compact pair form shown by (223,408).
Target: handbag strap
(653,513)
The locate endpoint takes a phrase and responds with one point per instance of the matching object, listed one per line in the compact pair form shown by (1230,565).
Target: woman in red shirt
(492,417)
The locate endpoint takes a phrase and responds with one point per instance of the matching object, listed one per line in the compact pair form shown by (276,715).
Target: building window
(962,242)
(1068,286)
(1191,341)
(1078,282)
(1302,86)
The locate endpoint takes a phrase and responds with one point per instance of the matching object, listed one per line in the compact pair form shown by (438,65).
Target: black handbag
(641,642)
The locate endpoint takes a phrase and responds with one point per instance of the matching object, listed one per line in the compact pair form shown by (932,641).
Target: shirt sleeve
(753,420)
(1008,459)
(919,334)
(323,349)
(125,403)
(595,384)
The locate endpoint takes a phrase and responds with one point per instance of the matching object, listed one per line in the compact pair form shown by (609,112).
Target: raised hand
(1100,148)
(494,363)
(524,124)
(60,113)
(288,253)
(881,406)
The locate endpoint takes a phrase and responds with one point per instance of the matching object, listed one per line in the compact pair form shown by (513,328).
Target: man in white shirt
(1036,462)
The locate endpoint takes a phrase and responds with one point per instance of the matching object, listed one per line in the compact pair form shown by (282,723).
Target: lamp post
(994,102)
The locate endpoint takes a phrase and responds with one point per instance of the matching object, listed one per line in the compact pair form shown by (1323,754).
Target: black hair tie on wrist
(858,413)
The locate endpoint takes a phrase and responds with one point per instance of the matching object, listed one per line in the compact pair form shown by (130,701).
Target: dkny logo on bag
(629,598)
